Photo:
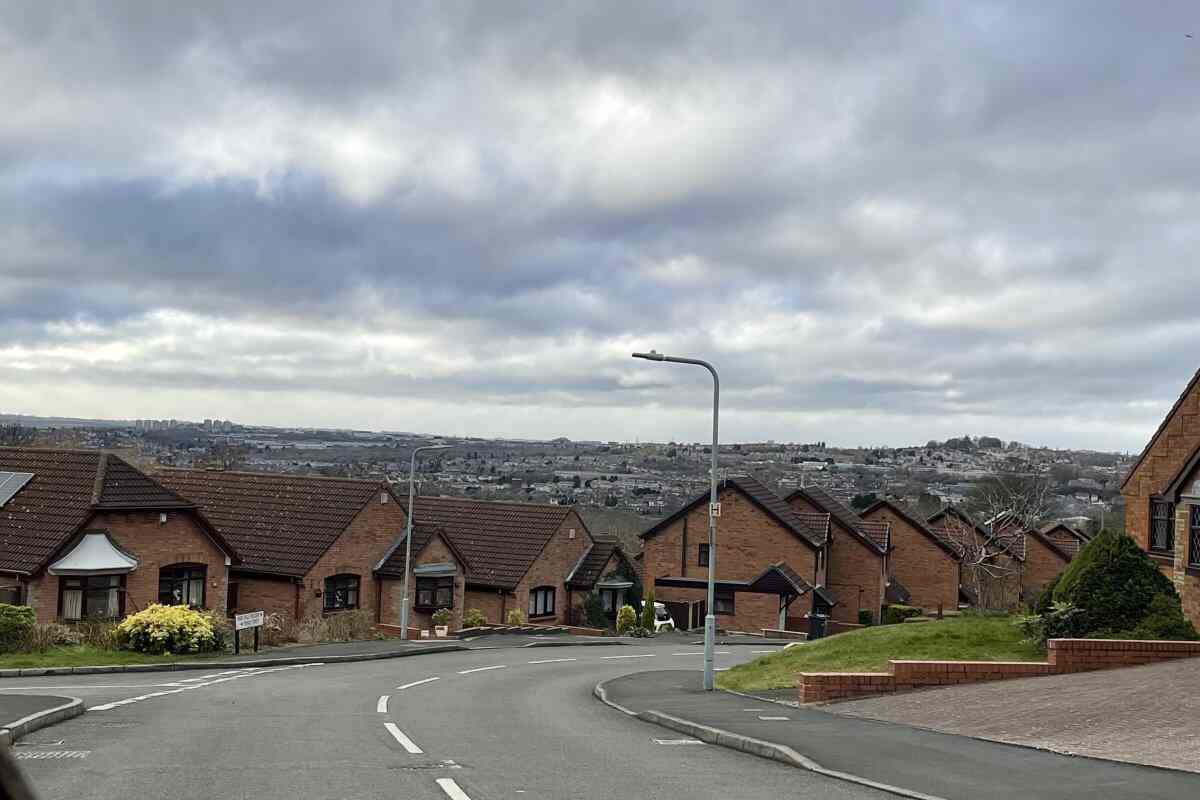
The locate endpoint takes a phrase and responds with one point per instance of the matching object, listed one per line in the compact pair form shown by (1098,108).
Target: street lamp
(710,621)
(408,525)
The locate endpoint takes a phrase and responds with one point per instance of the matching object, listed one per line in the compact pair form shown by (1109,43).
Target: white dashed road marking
(200,685)
(481,669)
(405,742)
(417,683)
(452,789)
(551,661)
(677,741)
(772,719)
(381,706)
(637,655)
(701,652)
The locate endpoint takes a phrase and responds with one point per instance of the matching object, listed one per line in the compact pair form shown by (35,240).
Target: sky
(884,223)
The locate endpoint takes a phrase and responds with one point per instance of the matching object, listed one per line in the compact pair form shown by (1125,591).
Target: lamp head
(653,355)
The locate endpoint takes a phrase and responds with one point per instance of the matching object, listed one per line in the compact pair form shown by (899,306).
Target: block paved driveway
(1147,715)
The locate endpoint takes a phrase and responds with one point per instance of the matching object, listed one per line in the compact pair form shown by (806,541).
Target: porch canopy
(778,579)
(94,554)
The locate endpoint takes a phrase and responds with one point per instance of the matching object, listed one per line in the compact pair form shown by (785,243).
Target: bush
(648,611)
(865,617)
(1164,620)
(1060,621)
(1116,588)
(639,632)
(593,611)
(16,623)
(101,634)
(347,626)
(474,618)
(166,629)
(515,617)
(1045,600)
(41,638)
(442,616)
(222,628)
(894,615)
(626,619)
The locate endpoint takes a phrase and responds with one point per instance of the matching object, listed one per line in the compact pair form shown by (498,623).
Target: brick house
(84,534)
(1162,498)
(926,565)
(857,572)
(516,555)
(308,545)
(607,570)
(768,557)
(1048,550)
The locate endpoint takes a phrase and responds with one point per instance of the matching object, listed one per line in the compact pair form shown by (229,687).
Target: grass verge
(86,656)
(965,638)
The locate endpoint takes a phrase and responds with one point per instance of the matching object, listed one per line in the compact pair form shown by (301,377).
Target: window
(1162,526)
(723,601)
(435,592)
(541,601)
(341,592)
(11,595)
(703,557)
(182,585)
(608,599)
(91,597)
(1193,554)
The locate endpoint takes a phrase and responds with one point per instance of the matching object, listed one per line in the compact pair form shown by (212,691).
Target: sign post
(253,619)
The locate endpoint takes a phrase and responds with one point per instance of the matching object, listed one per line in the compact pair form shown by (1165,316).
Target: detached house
(857,572)
(921,561)
(1162,498)
(770,560)
(86,534)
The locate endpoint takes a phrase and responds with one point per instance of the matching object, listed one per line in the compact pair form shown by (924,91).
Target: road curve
(481,724)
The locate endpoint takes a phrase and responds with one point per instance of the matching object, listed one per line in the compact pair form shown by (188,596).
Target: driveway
(1145,715)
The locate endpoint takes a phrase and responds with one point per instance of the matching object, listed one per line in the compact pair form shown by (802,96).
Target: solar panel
(11,483)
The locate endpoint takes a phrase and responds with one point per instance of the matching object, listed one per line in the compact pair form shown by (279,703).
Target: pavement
(14,707)
(1145,715)
(912,759)
(509,722)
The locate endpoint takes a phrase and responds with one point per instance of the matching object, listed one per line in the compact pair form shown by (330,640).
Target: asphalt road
(502,723)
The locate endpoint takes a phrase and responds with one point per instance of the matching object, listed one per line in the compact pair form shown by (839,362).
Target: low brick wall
(1064,656)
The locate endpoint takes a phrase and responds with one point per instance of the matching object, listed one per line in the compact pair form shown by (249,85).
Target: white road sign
(254,619)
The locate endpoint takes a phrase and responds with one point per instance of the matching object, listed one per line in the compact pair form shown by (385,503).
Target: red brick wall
(748,541)
(928,572)
(262,593)
(356,552)
(491,602)
(1041,566)
(551,568)
(155,545)
(435,552)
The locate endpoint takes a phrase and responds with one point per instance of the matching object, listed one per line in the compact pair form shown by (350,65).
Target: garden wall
(1064,656)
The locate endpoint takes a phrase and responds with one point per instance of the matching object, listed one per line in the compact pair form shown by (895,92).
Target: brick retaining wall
(1064,656)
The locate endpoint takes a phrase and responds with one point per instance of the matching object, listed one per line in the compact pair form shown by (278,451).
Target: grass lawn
(965,638)
(85,656)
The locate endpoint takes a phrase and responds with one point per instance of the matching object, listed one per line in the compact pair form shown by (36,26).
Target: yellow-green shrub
(626,619)
(167,629)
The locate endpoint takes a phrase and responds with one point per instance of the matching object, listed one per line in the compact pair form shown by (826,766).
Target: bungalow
(768,556)
(607,570)
(857,572)
(1162,497)
(1048,550)
(926,565)
(86,534)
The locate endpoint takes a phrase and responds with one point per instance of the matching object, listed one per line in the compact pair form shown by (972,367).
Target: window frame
(702,554)
(85,589)
(1167,520)
(333,585)
(724,596)
(1192,557)
(187,568)
(541,593)
(434,585)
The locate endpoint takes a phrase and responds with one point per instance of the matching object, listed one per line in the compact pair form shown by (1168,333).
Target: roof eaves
(571,575)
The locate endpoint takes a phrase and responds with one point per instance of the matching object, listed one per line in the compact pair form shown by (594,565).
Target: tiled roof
(810,528)
(392,563)
(874,533)
(902,511)
(1069,540)
(67,486)
(592,564)
(950,517)
(277,523)
(879,533)
(501,540)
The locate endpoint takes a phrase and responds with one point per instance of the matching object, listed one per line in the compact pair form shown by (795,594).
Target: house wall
(855,572)
(434,552)
(274,595)
(1041,566)
(491,602)
(1186,583)
(179,540)
(928,572)
(356,552)
(551,568)
(748,541)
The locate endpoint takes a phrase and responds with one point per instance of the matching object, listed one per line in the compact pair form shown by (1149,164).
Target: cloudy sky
(883,222)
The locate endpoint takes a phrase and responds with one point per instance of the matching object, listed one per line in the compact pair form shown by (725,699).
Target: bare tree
(991,539)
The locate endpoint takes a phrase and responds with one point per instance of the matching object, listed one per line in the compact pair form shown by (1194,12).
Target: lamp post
(408,526)
(710,621)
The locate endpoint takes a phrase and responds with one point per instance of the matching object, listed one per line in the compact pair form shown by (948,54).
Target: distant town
(620,487)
